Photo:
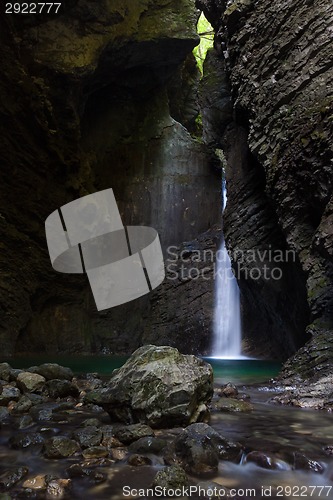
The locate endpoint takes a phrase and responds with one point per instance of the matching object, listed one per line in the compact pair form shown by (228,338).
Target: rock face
(88,102)
(157,386)
(279,169)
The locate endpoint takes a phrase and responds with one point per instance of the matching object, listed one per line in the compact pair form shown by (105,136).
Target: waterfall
(227,322)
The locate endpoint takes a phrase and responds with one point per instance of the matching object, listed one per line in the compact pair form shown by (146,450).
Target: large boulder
(158,386)
(30,382)
(53,371)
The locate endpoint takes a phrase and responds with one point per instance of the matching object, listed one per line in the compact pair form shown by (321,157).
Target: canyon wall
(278,58)
(93,98)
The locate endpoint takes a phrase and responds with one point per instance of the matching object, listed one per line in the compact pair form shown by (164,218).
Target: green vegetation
(206,33)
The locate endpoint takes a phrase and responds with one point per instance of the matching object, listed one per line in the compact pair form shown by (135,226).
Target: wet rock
(58,388)
(14,373)
(199,448)
(138,460)
(47,411)
(130,433)
(119,454)
(263,460)
(5,370)
(30,382)
(24,422)
(302,462)
(158,386)
(232,405)
(10,477)
(35,483)
(79,470)
(23,405)
(196,452)
(91,422)
(229,390)
(9,393)
(88,382)
(26,439)
(53,371)
(108,438)
(4,414)
(60,447)
(95,452)
(88,436)
(328,450)
(148,445)
(57,488)
(172,477)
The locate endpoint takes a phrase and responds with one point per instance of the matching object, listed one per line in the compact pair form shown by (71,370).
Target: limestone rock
(130,433)
(158,386)
(30,382)
(199,448)
(60,447)
(232,405)
(172,477)
(61,389)
(9,393)
(88,436)
(148,445)
(53,371)
(26,440)
(10,477)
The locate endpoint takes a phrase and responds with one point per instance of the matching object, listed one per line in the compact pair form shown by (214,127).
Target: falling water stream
(227,322)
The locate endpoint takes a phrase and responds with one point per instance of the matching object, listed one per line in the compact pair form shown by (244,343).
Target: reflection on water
(277,430)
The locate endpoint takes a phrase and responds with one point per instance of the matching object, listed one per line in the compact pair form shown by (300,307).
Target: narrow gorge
(110,95)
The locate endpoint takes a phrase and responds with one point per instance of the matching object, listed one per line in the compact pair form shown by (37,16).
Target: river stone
(53,371)
(138,460)
(88,436)
(195,450)
(158,386)
(58,487)
(232,405)
(172,477)
(25,440)
(23,405)
(58,388)
(148,445)
(10,477)
(4,414)
(263,460)
(304,463)
(229,390)
(35,483)
(95,452)
(60,447)
(5,370)
(9,393)
(30,382)
(199,448)
(130,433)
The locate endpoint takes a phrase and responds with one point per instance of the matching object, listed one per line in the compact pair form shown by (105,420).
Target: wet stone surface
(71,449)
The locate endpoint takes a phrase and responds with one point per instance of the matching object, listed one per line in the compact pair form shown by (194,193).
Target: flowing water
(227,335)
(268,428)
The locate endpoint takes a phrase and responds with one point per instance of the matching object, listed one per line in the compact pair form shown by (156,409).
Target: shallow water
(270,428)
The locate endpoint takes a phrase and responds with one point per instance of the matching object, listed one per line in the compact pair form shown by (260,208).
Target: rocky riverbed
(159,423)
